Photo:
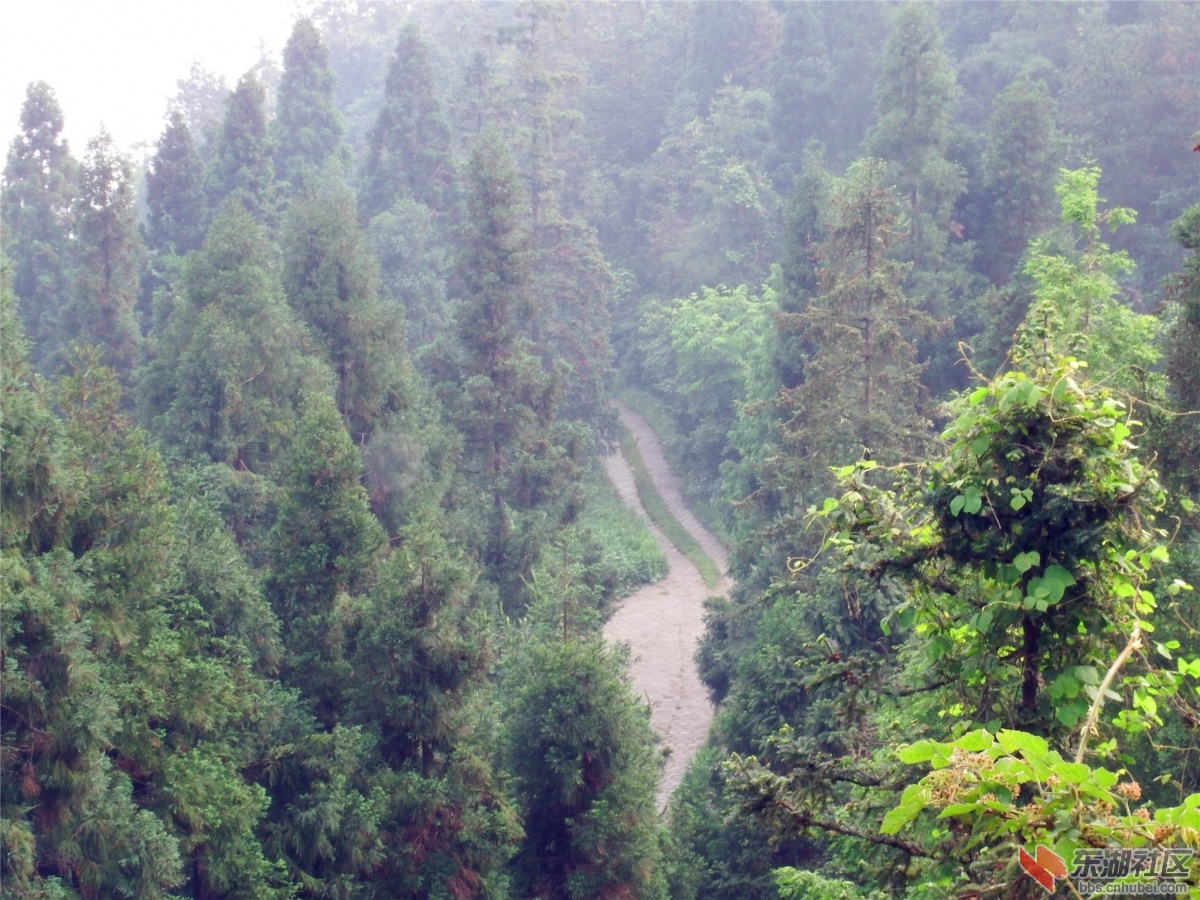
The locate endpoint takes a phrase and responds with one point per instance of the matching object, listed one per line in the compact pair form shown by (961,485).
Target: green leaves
(1048,588)
(914,799)
(969,502)
(1025,561)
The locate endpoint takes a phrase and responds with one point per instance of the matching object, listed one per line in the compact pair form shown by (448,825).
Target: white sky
(117,61)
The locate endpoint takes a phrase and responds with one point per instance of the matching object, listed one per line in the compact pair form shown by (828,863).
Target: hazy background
(118,61)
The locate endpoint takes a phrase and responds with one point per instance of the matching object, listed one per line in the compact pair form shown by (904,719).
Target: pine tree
(307,127)
(38,206)
(408,151)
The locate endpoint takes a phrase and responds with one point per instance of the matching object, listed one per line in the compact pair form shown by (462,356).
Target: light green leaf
(975,741)
(1026,561)
(1012,741)
(1072,773)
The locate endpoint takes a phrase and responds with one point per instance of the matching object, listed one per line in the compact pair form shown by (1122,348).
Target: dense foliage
(304,555)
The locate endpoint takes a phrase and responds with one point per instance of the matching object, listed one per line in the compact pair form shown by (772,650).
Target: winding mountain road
(662,622)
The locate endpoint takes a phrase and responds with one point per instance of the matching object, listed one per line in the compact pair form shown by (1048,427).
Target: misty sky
(117,61)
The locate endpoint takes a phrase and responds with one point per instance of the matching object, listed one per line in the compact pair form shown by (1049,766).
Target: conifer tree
(582,756)
(175,202)
(332,281)
(420,665)
(415,261)
(201,99)
(1023,147)
(307,127)
(322,550)
(408,151)
(575,286)
(109,249)
(113,672)
(1181,448)
(242,165)
(861,390)
(38,206)
(915,95)
(234,362)
(498,392)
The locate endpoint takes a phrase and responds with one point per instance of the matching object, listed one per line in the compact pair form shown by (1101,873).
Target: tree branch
(806,820)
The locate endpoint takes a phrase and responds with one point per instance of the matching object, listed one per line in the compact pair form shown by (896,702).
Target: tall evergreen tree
(582,755)
(175,202)
(242,165)
(415,261)
(1183,366)
(322,550)
(728,43)
(307,127)
(408,150)
(331,280)
(201,99)
(234,362)
(497,390)
(103,307)
(420,664)
(828,57)
(1020,165)
(861,388)
(132,695)
(38,206)
(915,97)
(860,392)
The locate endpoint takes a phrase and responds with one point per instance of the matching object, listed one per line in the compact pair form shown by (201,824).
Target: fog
(118,62)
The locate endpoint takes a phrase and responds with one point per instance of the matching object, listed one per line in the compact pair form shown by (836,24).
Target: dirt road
(662,622)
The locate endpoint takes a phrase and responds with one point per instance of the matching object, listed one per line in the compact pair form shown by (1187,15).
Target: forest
(307,551)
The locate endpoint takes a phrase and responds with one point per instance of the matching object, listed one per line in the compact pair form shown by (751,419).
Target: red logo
(1043,868)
